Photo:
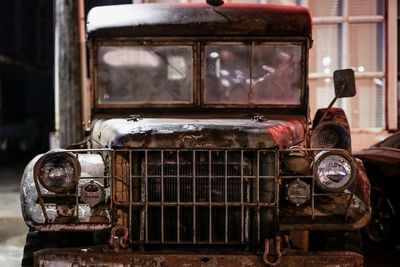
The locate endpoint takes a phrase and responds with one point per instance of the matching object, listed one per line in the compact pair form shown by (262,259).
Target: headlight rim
(338,152)
(45,158)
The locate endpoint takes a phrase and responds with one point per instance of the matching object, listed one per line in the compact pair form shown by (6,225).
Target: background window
(349,34)
(346,34)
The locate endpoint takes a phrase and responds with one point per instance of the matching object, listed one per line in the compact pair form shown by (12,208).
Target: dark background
(27,76)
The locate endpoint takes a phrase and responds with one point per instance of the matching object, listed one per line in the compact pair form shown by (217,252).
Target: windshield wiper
(222,15)
(163,58)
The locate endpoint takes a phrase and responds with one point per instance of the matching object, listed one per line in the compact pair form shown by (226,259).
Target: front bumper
(103,256)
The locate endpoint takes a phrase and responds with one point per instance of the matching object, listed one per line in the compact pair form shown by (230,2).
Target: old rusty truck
(201,150)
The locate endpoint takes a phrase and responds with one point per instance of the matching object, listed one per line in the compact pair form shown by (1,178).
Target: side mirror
(345,85)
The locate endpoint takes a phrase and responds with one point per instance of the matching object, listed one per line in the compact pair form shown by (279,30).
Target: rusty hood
(198,133)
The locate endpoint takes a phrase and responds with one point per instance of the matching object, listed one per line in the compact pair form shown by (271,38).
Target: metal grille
(195,196)
(328,138)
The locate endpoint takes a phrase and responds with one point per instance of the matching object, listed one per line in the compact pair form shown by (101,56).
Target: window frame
(389,72)
(198,45)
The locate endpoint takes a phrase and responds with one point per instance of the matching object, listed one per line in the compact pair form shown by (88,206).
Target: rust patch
(99,257)
(199,133)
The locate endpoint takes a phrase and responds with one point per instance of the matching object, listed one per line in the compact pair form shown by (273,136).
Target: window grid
(375,92)
(344,14)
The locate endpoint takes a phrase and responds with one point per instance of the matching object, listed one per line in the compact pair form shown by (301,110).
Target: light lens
(57,173)
(298,192)
(334,172)
(92,193)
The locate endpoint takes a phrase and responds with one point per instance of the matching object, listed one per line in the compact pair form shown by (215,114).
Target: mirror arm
(331,104)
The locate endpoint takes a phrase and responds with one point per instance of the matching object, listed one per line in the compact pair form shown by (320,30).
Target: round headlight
(57,172)
(334,171)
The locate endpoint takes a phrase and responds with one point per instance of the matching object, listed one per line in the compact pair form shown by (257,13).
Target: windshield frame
(198,52)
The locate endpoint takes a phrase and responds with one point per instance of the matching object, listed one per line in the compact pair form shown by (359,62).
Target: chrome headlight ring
(57,171)
(334,170)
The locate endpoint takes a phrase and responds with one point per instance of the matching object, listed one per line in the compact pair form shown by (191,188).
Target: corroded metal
(205,178)
(278,256)
(180,20)
(199,133)
(101,256)
(48,211)
(183,170)
(183,196)
(119,236)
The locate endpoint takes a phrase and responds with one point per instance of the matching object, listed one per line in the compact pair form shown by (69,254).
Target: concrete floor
(12,226)
(13,229)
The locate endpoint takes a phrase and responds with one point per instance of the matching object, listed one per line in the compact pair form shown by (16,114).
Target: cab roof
(198,20)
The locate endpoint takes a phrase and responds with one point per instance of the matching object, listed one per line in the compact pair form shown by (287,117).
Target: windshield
(252,74)
(145,75)
(233,73)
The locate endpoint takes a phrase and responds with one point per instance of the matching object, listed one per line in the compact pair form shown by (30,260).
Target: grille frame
(248,210)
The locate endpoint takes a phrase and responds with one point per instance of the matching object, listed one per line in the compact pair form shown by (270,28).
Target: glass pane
(145,75)
(325,55)
(362,7)
(366,47)
(321,94)
(282,2)
(368,106)
(365,110)
(260,74)
(324,8)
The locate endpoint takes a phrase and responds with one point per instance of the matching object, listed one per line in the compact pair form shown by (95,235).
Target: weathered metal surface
(198,133)
(34,198)
(333,122)
(198,20)
(101,256)
(195,196)
(340,211)
(361,207)
(345,210)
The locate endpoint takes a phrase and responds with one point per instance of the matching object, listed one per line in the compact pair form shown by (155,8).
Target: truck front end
(200,151)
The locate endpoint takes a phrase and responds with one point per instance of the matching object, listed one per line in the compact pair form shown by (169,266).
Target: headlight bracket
(57,172)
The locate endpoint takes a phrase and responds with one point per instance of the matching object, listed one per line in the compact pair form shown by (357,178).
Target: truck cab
(201,150)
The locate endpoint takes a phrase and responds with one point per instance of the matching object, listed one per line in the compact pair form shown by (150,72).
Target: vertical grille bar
(162,196)
(313,195)
(209,197)
(277,183)
(241,198)
(226,196)
(178,238)
(76,195)
(130,195)
(194,195)
(172,195)
(258,194)
(146,197)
